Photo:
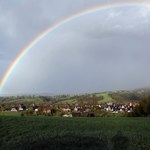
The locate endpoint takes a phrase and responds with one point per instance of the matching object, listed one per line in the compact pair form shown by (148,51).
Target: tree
(143,109)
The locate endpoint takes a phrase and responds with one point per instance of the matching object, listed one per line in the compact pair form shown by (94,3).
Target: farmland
(40,132)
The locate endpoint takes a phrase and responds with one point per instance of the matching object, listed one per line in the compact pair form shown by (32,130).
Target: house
(13,109)
(22,107)
(47,111)
(67,109)
(35,107)
(76,109)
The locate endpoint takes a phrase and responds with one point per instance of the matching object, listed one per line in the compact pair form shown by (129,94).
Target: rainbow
(61,23)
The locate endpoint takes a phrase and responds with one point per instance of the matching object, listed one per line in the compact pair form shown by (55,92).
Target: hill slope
(92,98)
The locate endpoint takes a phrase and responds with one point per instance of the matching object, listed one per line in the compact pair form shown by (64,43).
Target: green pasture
(43,133)
(106,98)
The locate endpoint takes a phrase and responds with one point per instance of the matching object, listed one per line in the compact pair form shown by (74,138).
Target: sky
(102,51)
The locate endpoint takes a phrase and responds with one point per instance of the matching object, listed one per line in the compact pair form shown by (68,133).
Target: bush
(29,112)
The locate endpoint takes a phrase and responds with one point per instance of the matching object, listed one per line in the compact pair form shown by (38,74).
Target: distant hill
(92,98)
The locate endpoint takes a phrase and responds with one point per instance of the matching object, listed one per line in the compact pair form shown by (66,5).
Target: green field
(106,98)
(45,133)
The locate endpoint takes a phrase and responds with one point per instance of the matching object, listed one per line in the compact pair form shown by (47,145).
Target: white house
(14,109)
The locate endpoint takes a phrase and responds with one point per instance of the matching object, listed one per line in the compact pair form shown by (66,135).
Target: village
(74,110)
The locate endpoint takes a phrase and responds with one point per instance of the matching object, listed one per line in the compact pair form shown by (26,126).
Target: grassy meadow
(43,133)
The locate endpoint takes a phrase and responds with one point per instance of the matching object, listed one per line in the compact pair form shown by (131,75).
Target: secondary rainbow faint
(61,23)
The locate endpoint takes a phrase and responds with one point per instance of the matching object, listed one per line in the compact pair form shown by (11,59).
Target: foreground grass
(74,133)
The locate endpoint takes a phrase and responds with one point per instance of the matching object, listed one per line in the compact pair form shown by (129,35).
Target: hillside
(92,98)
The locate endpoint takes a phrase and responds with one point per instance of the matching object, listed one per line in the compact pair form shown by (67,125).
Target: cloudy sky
(102,51)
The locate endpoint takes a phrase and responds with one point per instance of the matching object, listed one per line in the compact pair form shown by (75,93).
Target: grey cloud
(102,51)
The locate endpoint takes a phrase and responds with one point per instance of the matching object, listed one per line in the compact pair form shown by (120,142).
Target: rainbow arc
(60,23)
